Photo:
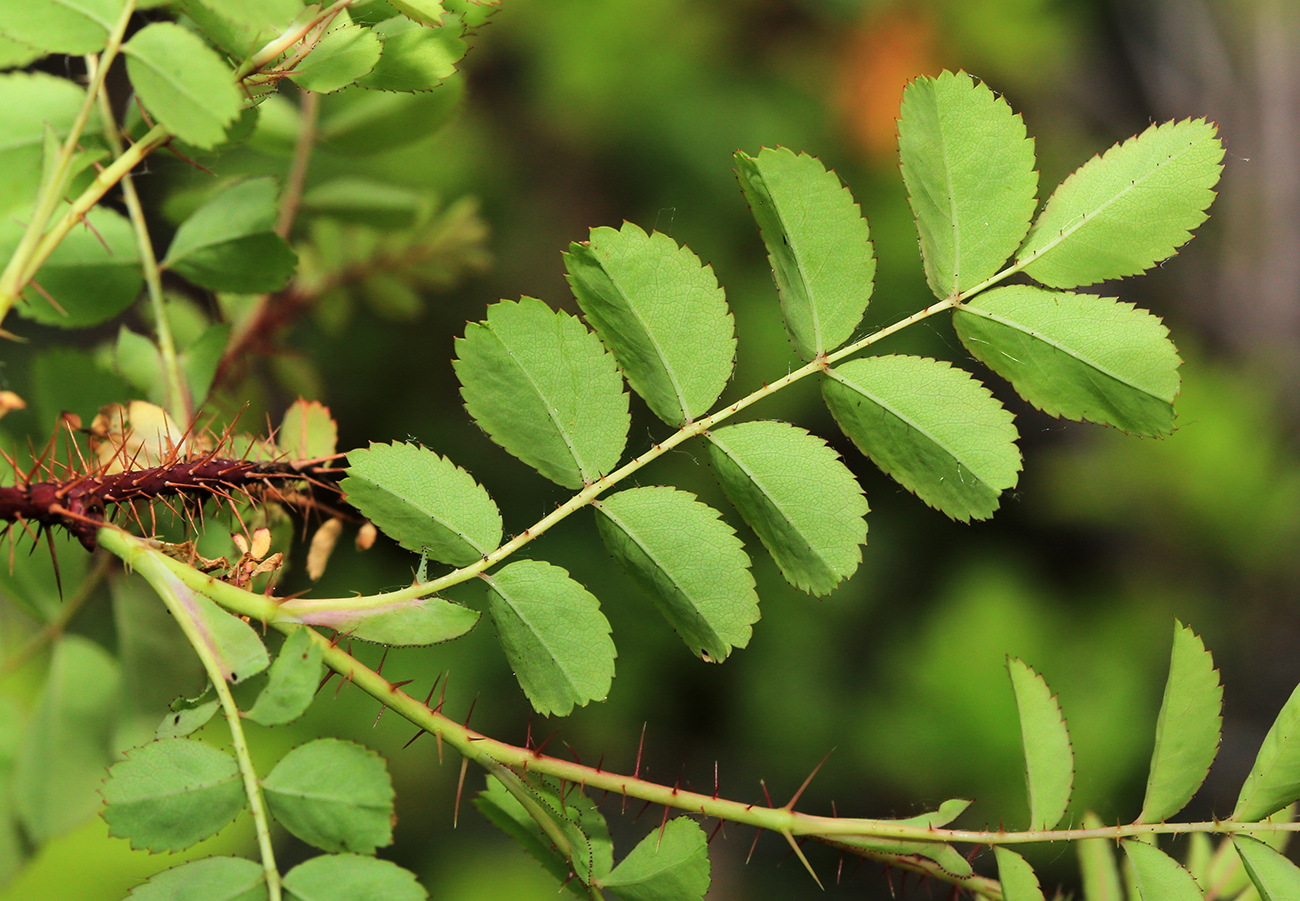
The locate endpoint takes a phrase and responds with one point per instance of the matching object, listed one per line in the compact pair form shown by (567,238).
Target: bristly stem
(153,566)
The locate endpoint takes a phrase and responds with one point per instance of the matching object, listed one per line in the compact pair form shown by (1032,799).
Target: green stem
(179,402)
(20,268)
(157,571)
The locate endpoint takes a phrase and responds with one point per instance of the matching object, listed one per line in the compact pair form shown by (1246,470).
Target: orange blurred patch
(885,51)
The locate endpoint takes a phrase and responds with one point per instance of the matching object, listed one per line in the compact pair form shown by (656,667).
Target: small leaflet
(307,432)
(419,621)
(172,793)
(1121,213)
(1275,877)
(931,427)
(1049,757)
(1076,355)
(415,57)
(1017,877)
(211,878)
(347,877)
(333,794)
(688,560)
(969,171)
(553,634)
(1187,732)
(661,313)
(817,242)
(1274,780)
(338,60)
(545,389)
(1158,876)
(669,863)
(292,683)
(423,501)
(795,492)
(184,83)
(1097,865)
(74,27)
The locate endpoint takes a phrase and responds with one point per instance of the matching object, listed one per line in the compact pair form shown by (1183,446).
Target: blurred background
(582,114)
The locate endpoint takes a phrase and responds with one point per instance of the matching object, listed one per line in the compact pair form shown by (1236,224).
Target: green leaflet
(307,432)
(671,864)
(969,171)
(1187,732)
(421,621)
(662,314)
(355,121)
(240,27)
(817,242)
(293,681)
(798,496)
(33,102)
(423,501)
(544,388)
(351,877)
(210,878)
(342,56)
(1158,876)
(200,360)
(932,427)
(230,244)
(184,83)
(1076,355)
(92,276)
(688,560)
(553,634)
(1097,866)
(1049,757)
(426,12)
(473,12)
(1121,213)
(70,26)
(333,794)
(1017,877)
(69,741)
(1275,877)
(590,851)
(233,643)
(415,57)
(1274,780)
(172,793)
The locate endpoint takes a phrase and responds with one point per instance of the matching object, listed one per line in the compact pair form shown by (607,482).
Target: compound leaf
(590,852)
(292,682)
(415,57)
(1159,877)
(342,56)
(1121,213)
(423,501)
(553,634)
(817,242)
(1017,877)
(333,794)
(798,497)
(1275,877)
(69,740)
(932,427)
(92,276)
(544,388)
(1187,732)
(670,864)
(351,877)
(184,83)
(212,879)
(1049,757)
(1097,866)
(662,314)
(1076,355)
(74,27)
(1274,780)
(172,793)
(688,560)
(230,244)
(969,171)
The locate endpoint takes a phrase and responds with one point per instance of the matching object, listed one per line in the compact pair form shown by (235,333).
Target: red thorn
(663,824)
(547,741)
(413,738)
(379,670)
(643,809)
(636,773)
(432,687)
(716,830)
(753,846)
(766,795)
(806,782)
(471,711)
(395,686)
